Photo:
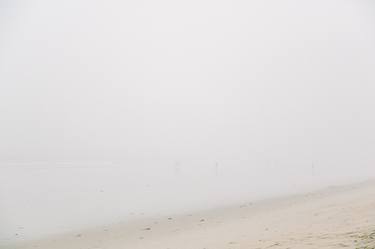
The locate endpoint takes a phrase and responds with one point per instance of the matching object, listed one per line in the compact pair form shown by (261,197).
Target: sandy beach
(336,217)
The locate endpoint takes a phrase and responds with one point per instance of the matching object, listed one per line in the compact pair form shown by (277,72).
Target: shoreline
(336,216)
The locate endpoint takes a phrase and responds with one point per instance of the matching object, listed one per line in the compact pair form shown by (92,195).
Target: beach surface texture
(337,217)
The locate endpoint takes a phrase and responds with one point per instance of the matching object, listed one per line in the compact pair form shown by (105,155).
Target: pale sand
(337,217)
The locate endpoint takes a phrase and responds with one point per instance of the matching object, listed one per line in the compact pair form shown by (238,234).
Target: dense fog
(119,110)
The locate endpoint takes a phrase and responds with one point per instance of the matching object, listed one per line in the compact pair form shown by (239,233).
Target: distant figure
(216,169)
(312,169)
(177,169)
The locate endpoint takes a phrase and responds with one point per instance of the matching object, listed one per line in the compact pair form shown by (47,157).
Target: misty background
(120,110)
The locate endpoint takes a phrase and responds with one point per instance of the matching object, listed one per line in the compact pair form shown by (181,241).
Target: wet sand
(336,217)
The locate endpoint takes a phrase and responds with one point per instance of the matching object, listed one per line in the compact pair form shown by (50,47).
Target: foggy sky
(159,107)
(286,81)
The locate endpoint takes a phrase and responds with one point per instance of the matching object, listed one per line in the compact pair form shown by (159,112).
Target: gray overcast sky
(287,80)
